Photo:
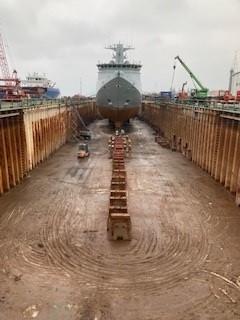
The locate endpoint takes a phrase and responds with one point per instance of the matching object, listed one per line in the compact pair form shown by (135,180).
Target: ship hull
(118,100)
(41,92)
(51,93)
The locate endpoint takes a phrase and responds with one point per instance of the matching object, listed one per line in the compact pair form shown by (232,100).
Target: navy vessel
(119,93)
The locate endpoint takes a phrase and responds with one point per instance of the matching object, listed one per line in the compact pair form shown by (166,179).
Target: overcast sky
(66,39)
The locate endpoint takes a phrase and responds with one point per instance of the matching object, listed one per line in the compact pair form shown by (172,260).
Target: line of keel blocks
(119,221)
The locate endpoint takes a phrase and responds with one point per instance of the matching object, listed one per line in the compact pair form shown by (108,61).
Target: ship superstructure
(38,86)
(119,87)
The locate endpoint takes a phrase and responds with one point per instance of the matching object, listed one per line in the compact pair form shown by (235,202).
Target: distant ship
(38,86)
(119,94)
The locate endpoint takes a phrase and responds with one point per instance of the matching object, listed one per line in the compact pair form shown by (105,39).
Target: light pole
(80,86)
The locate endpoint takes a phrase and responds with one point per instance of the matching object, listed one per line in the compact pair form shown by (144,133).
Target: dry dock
(183,261)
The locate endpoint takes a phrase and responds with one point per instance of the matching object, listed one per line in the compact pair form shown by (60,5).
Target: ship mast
(119,50)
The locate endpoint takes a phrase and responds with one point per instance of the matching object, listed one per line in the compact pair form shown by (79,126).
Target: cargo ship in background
(34,87)
(12,88)
(38,86)
(119,93)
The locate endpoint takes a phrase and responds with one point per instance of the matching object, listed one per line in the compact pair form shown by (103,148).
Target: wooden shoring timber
(1,181)
(236,162)
(230,154)
(19,146)
(41,155)
(215,149)
(219,144)
(16,153)
(194,137)
(200,135)
(3,158)
(227,135)
(238,190)
(51,129)
(44,138)
(28,123)
(56,133)
(213,125)
(204,141)
(10,154)
(39,140)
(23,145)
(48,141)
(37,137)
(35,142)
(190,136)
(207,141)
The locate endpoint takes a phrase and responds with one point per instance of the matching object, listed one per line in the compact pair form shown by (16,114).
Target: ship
(38,86)
(119,93)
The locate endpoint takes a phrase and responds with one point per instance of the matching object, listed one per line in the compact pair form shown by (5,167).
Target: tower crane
(195,93)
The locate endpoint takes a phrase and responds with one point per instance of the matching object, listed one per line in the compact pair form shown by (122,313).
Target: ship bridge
(119,66)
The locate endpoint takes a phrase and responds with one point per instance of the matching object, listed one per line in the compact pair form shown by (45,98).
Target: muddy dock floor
(57,264)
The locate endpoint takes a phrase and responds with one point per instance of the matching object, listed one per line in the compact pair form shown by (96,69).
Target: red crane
(11,85)
(4,64)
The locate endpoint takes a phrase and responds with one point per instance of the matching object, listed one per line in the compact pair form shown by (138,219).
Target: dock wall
(208,137)
(29,134)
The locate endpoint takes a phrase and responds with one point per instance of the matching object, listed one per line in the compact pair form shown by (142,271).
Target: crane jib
(203,92)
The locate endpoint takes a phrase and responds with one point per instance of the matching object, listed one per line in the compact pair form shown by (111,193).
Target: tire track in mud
(155,258)
(170,230)
(147,254)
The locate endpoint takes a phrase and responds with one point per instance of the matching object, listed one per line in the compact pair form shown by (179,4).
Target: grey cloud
(66,39)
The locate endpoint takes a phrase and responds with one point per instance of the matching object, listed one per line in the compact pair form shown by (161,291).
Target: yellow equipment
(83,150)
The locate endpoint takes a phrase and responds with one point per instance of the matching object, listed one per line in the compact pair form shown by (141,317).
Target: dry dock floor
(56,262)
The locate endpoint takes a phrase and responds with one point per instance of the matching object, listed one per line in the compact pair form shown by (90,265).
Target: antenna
(235,62)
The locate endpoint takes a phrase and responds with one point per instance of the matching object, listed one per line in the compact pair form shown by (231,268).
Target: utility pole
(80,87)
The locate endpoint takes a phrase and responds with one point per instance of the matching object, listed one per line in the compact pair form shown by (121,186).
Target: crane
(11,83)
(195,93)
(4,63)
(183,85)
(182,95)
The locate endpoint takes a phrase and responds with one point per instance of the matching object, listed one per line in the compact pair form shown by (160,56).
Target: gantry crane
(201,93)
